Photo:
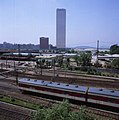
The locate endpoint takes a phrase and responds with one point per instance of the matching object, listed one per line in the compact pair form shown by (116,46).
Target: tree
(114,49)
(68,62)
(76,59)
(115,63)
(40,62)
(60,62)
(85,59)
(62,112)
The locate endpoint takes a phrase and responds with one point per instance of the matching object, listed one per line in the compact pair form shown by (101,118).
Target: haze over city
(24,21)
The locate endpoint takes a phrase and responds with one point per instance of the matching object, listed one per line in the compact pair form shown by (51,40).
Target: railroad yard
(13,71)
(59,60)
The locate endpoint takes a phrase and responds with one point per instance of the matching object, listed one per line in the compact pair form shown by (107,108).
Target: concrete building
(61,28)
(44,43)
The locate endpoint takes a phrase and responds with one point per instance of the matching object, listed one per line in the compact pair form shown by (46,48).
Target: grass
(18,102)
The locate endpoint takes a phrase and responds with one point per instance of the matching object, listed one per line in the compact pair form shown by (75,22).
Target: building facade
(61,28)
(44,43)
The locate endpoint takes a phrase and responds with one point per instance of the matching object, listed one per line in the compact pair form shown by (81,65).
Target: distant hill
(89,47)
(84,47)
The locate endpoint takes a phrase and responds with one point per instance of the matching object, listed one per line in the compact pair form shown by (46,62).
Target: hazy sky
(24,21)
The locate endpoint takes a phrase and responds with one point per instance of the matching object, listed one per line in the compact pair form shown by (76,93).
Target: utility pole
(6,62)
(97,51)
(54,66)
(19,52)
(16,73)
(41,65)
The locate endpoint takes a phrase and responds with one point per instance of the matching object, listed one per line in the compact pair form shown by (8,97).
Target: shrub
(1,96)
(62,112)
(12,99)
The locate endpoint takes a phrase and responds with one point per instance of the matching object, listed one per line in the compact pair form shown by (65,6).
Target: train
(89,95)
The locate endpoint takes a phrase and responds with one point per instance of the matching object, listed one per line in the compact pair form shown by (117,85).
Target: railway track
(7,114)
(73,78)
(105,114)
(63,73)
(103,78)
(49,102)
(83,82)
(98,113)
(29,98)
(9,89)
(8,85)
(71,74)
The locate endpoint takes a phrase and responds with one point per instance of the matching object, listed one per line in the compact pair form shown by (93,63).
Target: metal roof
(54,84)
(48,56)
(103,91)
(91,90)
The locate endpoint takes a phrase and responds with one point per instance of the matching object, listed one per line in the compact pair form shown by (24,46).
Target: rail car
(105,97)
(90,95)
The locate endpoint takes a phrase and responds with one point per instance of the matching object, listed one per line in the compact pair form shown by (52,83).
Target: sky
(24,21)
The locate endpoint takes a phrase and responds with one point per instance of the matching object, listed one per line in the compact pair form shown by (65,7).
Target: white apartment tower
(61,28)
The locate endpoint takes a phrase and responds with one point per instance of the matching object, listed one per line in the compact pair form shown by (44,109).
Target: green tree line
(114,49)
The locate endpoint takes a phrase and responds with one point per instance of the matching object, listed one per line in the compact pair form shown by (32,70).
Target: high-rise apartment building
(44,43)
(61,28)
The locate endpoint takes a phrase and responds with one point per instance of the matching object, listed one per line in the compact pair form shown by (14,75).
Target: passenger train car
(98,96)
(105,97)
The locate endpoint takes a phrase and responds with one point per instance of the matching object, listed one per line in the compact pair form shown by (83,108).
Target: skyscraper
(44,43)
(61,28)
